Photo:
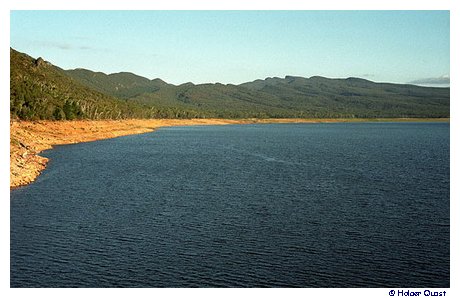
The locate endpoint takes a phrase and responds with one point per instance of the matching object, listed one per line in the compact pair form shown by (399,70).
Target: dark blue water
(294,205)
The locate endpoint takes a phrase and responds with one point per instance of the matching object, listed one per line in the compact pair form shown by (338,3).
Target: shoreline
(29,138)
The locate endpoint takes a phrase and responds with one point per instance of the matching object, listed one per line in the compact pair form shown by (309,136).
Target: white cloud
(435,81)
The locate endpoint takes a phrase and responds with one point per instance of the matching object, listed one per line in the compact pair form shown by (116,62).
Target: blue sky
(241,46)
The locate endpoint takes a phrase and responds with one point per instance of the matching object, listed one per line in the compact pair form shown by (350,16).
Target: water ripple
(240,206)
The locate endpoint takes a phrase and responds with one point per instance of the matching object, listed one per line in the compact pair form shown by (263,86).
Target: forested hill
(40,90)
(356,97)
(122,85)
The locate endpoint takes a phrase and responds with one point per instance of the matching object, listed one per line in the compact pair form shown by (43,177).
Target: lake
(264,205)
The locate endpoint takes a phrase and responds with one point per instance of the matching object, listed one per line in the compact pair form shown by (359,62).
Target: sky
(240,46)
(380,46)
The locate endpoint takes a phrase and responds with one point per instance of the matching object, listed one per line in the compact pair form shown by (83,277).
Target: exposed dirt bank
(27,139)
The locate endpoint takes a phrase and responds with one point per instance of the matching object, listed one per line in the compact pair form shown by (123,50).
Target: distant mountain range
(39,90)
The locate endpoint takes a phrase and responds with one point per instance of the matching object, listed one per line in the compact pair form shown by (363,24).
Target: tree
(58,114)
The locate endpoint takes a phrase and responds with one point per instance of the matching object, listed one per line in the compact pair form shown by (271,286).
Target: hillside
(225,101)
(314,97)
(323,97)
(122,85)
(40,90)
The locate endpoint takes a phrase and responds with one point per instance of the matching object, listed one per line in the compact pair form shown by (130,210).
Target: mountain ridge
(40,90)
(272,97)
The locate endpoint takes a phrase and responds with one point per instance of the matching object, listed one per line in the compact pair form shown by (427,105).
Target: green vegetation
(355,98)
(122,85)
(40,90)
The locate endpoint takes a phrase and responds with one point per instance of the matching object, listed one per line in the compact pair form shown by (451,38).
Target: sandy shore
(28,139)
